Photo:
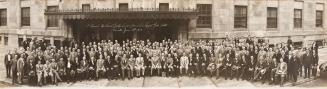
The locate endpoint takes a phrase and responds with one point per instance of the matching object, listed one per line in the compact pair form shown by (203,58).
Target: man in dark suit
(251,67)
(176,64)
(227,63)
(71,70)
(92,68)
(25,44)
(204,64)
(108,66)
(293,67)
(307,61)
(8,58)
(14,69)
(31,69)
(196,64)
(236,67)
(115,67)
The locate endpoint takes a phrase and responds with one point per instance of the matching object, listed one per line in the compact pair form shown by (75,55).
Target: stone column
(52,41)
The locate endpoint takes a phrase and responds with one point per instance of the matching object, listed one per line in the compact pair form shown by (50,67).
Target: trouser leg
(8,71)
(294,75)
(14,76)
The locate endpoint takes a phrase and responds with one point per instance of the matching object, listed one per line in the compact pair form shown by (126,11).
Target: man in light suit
(20,69)
(139,65)
(281,71)
(184,64)
(100,69)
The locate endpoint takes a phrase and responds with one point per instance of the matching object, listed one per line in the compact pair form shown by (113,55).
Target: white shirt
(9,57)
(68,65)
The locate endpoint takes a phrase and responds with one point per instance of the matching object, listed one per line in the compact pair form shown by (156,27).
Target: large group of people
(249,59)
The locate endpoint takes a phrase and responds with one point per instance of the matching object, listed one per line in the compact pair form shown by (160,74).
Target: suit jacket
(62,66)
(40,58)
(307,61)
(92,64)
(100,64)
(7,60)
(315,59)
(227,62)
(205,60)
(31,69)
(107,63)
(20,65)
(251,64)
(293,65)
(84,65)
(73,66)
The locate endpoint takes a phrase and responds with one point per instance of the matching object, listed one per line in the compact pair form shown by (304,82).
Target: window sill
(298,28)
(272,29)
(240,29)
(319,28)
(25,27)
(52,28)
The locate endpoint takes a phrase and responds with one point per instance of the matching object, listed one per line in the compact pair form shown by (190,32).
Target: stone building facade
(275,20)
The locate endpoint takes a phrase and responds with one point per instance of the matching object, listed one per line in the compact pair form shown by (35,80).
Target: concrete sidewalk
(170,82)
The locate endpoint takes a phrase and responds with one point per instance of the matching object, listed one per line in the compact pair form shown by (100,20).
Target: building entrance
(121,30)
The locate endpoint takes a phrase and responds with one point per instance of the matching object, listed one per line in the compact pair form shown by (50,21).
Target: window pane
(123,6)
(6,40)
(297,18)
(53,21)
(319,18)
(272,12)
(25,16)
(204,19)
(297,13)
(164,6)
(86,7)
(272,17)
(3,17)
(240,19)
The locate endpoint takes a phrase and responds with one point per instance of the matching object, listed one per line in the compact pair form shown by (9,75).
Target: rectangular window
(29,39)
(0,40)
(123,6)
(163,6)
(47,41)
(319,18)
(25,16)
(6,40)
(57,43)
(204,20)
(240,17)
(272,17)
(20,42)
(297,18)
(3,17)
(86,7)
(53,21)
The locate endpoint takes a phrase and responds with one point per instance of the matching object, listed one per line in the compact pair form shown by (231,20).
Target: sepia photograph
(163,44)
